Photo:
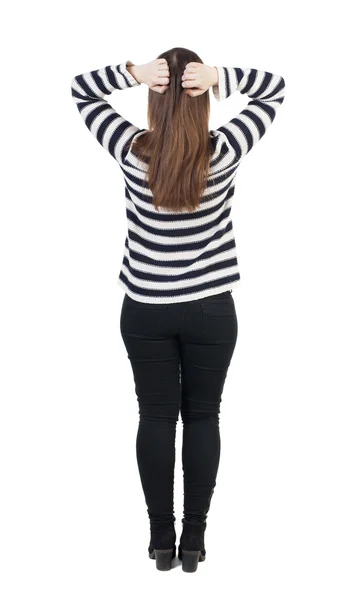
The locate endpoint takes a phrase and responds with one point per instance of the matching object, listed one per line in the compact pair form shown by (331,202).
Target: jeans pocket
(141,319)
(219,319)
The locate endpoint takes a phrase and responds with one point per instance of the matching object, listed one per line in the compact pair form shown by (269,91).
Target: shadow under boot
(191,546)
(162,545)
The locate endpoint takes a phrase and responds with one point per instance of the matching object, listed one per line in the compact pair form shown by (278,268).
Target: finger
(163,72)
(190,83)
(189,75)
(190,68)
(162,80)
(160,89)
(194,93)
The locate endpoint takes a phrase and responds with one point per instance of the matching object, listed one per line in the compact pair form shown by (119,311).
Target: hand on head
(197,78)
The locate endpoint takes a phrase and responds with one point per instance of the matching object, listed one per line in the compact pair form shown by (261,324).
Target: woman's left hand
(155,74)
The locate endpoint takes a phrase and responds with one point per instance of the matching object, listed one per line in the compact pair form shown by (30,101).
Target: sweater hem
(177,299)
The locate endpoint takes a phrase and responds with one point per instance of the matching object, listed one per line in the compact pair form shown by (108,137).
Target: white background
(73,516)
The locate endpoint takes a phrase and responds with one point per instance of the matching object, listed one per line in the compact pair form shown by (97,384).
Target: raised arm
(267,93)
(108,126)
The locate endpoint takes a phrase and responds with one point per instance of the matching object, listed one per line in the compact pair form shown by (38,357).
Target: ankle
(194,519)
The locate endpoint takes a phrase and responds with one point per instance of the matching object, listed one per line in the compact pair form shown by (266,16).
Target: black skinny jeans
(180,354)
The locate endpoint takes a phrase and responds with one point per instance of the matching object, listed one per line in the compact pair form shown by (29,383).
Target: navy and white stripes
(171,256)
(267,93)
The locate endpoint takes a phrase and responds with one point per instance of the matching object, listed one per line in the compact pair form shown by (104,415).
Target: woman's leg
(204,366)
(155,364)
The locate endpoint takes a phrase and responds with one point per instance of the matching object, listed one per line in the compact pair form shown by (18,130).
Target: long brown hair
(177,147)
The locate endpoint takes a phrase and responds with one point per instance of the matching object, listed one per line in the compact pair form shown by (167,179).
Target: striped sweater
(171,256)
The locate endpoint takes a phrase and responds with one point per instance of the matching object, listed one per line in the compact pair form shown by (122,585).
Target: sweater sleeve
(108,126)
(267,93)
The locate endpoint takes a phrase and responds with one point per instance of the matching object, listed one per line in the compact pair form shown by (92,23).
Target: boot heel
(190,560)
(163,559)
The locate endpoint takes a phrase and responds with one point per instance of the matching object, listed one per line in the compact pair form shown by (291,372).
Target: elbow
(72,86)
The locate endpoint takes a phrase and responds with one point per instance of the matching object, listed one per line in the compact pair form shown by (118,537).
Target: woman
(178,318)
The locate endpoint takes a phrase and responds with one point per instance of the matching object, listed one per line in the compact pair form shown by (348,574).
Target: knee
(159,415)
(197,416)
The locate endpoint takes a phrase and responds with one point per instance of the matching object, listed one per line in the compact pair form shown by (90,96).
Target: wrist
(215,79)
(134,70)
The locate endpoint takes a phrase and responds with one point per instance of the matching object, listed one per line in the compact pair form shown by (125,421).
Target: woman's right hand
(199,76)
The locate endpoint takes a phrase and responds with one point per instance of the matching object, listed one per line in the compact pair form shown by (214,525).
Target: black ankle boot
(191,546)
(162,546)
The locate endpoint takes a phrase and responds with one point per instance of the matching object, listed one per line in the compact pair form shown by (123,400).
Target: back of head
(177,147)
